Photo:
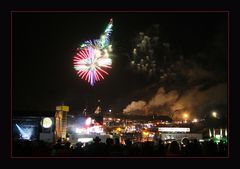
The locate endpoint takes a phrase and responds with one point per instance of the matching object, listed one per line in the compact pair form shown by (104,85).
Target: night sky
(44,45)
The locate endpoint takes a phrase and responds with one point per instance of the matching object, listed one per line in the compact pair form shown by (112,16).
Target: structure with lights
(47,129)
(61,121)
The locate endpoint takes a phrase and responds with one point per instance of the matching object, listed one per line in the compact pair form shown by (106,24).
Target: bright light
(26,133)
(85,140)
(210,133)
(218,136)
(88,121)
(130,129)
(185,115)
(110,111)
(80,130)
(148,125)
(103,36)
(151,135)
(214,114)
(47,122)
(195,120)
(95,129)
(145,133)
(226,132)
(89,130)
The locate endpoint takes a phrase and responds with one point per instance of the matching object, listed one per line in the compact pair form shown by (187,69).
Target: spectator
(173,150)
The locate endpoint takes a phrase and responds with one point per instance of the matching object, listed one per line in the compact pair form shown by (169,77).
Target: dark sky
(44,45)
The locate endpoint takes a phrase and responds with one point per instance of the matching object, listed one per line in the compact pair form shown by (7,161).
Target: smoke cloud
(136,108)
(195,101)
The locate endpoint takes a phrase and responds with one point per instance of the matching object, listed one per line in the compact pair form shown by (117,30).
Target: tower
(61,121)
(98,109)
(98,116)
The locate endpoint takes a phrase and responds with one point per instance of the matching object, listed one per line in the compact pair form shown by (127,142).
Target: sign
(62,108)
(173,129)
(47,122)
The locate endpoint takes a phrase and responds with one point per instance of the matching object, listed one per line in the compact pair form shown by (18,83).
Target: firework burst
(93,57)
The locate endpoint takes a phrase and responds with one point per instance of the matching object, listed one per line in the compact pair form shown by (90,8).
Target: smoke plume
(195,101)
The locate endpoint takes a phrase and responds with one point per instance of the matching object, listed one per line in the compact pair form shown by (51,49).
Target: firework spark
(150,52)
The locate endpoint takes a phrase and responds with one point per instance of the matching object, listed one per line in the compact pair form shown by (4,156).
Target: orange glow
(145,133)
(185,115)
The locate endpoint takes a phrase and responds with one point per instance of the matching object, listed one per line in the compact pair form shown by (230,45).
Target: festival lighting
(47,122)
(195,120)
(26,133)
(88,121)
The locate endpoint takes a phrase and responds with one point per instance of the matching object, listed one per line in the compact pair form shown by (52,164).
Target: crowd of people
(113,148)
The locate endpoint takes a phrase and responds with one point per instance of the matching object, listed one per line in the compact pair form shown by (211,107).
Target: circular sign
(47,122)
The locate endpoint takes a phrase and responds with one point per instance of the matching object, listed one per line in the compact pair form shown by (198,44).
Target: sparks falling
(94,56)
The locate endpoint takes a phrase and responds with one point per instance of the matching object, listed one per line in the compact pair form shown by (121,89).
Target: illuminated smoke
(195,101)
(188,88)
(162,97)
(136,107)
(157,104)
